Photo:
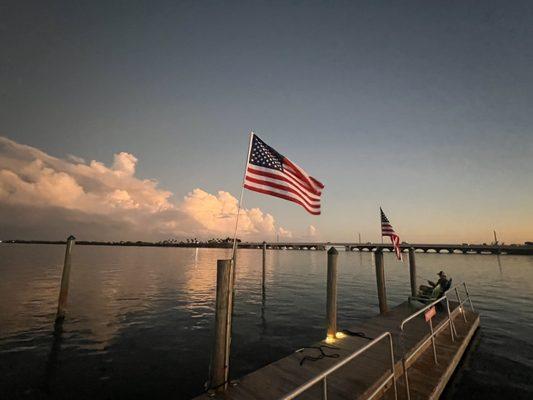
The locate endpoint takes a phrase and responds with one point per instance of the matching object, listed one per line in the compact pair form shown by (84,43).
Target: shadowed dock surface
(360,377)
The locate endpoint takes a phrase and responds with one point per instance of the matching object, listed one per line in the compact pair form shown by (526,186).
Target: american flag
(386,230)
(269,172)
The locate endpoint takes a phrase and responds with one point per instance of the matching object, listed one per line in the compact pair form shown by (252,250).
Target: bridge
(419,247)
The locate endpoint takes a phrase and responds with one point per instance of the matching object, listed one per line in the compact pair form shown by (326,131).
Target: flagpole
(242,193)
(381,228)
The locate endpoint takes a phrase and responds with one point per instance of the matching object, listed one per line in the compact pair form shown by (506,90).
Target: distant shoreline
(125,243)
(464,248)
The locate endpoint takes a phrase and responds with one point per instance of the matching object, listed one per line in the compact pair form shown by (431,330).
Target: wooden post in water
(412,271)
(331,304)
(65,277)
(264,264)
(224,304)
(380,280)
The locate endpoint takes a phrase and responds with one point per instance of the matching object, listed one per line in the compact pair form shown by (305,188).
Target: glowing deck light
(330,339)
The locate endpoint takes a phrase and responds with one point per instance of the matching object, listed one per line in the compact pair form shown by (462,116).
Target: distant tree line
(190,242)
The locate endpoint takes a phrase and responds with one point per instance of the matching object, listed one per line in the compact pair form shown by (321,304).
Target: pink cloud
(284,233)
(95,197)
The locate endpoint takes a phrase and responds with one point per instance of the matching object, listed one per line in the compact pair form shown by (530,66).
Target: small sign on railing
(430,314)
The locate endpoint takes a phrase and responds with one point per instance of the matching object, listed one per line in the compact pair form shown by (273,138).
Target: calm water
(139,322)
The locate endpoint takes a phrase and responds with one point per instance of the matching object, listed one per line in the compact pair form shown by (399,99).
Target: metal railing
(459,300)
(323,376)
(433,333)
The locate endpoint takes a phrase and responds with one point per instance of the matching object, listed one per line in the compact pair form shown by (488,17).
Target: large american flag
(269,172)
(387,230)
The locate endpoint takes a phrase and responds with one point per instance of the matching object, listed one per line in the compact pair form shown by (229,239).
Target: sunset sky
(130,120)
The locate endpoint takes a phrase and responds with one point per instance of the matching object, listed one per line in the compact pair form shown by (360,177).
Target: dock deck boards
(361,376)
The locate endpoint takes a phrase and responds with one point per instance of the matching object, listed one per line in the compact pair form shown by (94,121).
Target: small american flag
(269,172)
(386,230)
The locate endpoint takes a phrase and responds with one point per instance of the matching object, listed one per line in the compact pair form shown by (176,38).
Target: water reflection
(499,263)
(141,314)
(52,362)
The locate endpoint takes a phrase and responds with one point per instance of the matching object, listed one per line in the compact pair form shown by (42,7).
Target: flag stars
(264,156)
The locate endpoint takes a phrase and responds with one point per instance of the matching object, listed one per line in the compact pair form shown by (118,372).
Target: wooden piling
(224,303)
(412,271)
(380,280)
(264,265)
(331,304)
(65,277)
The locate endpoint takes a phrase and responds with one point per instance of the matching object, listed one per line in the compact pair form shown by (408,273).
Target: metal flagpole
(381,228)
(242,193)
(232,278)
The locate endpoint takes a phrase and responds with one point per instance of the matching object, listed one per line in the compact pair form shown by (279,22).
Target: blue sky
(423,108)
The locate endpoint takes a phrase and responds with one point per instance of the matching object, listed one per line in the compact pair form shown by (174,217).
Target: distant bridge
(420,247)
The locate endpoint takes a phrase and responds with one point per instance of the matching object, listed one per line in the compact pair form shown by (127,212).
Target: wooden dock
(369,375)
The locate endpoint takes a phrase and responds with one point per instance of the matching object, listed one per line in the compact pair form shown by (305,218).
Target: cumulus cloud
(216,213)
(284,233)
(41,194)
(75,159)
(312,231)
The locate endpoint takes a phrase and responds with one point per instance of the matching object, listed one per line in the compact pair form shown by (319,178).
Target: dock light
(331,339)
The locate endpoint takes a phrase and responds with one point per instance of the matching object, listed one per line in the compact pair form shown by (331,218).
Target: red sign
(430,313)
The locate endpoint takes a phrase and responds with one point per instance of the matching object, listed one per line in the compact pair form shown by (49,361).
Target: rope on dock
(358,334)
(321,355)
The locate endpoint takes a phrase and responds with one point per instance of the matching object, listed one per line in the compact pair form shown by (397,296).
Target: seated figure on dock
(436,290)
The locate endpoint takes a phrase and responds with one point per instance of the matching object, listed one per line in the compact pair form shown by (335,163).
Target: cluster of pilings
(219,374)
(225,290)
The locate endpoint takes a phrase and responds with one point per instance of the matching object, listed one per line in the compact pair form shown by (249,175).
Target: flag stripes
(271,173)
(387,230)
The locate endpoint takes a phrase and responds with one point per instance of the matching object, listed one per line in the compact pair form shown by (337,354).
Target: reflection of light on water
(499,262)
(122,301)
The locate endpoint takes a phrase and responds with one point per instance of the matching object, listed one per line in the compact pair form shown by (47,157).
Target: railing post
(450,321)
(412,271)
(468,296)
(224,305)
(393,365)
(65,278)
(380,280)
(460,304)
(433,340)
(331,305)
(406,379)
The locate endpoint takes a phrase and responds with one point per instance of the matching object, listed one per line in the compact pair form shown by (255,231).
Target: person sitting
(436,290)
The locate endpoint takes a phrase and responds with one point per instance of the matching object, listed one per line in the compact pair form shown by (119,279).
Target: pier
(409,351)
(363,367)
